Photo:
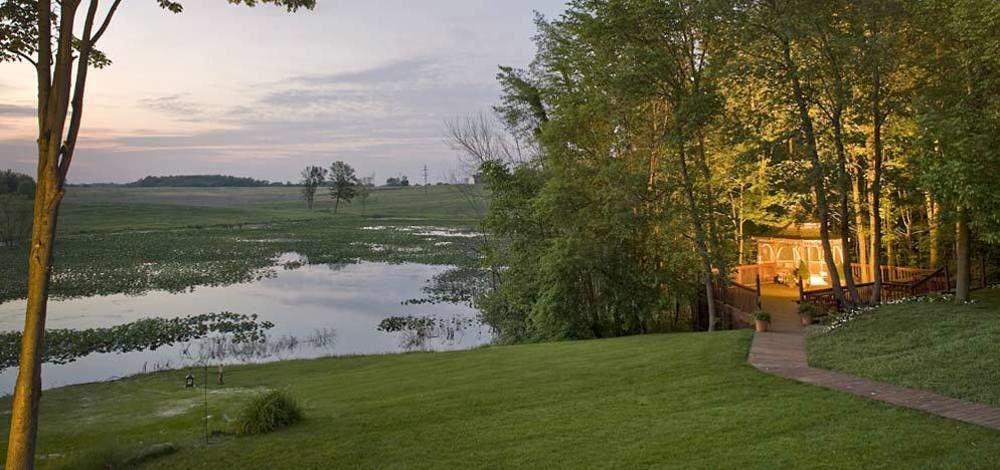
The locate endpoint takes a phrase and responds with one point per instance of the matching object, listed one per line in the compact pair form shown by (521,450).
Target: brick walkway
(784,354)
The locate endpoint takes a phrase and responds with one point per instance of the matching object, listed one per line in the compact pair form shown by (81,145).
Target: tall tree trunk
(876,194)
(53,162)
(699,237)
(933,232)
(28,388)
(844,178)
(963,264)
(823,209)
(859,224)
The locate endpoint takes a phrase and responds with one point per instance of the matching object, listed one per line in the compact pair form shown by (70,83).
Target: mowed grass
(678,401)
(950,349)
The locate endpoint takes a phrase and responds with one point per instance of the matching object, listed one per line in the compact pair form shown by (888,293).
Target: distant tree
(198,181)
(343,184)
(26,188)
(400,181)
(15,219)
(365,188)
(312,178)
(11,183)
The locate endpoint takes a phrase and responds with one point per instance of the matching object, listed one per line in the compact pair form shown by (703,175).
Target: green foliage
(65,346)
(312,178)
(12,182)
(809,310)
(343,183)
(15,219)
(268,412)
(761,315)
(197,181)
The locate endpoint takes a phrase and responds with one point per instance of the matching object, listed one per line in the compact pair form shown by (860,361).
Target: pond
(317,310)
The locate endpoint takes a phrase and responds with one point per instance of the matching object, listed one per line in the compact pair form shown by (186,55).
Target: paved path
(783,353)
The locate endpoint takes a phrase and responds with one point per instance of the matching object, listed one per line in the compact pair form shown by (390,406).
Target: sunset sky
(262,93)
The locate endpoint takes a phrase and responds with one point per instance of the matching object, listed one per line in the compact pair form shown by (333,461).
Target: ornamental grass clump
(268,412)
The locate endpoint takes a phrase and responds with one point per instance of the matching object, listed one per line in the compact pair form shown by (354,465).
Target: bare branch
(106,22)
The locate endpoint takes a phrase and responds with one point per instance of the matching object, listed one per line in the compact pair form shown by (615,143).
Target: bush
(809,310)
(268,412)
(761,315)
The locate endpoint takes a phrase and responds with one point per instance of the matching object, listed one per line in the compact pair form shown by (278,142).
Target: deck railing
(899,283)
(736,302)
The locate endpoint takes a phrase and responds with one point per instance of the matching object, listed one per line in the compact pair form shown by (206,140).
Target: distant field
(129,240)
(102,209)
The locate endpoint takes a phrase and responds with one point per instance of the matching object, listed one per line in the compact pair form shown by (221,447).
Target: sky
(262,93)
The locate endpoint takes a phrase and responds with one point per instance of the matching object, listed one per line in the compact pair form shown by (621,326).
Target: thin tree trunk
(890,238)
(28,388)
(876,194)
(700,238)
(933,232)
(859,225)
(823,208)
(963,265)
(845,207)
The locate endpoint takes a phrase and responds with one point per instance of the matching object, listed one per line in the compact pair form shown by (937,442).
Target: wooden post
(758,290)
(801,293)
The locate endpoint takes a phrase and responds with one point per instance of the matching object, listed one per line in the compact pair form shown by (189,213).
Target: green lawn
(950,349)
(682,401)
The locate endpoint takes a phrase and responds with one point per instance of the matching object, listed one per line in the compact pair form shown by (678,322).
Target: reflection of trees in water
(418,332)
(223,348)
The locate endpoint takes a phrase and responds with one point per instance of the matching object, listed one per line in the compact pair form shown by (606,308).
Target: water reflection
(347,301)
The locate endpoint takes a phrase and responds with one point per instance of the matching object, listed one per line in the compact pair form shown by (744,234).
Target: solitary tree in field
(366,186)
(61,47)
(312,178)
(343,184)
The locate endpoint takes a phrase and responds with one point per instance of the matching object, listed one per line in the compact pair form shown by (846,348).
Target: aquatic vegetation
(176,260)
(63,346)
(418,331)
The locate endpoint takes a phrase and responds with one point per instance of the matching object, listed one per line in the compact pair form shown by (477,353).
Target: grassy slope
(950,349)
(683,400)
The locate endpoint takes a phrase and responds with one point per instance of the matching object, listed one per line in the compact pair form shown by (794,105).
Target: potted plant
(807,313)
(761,320)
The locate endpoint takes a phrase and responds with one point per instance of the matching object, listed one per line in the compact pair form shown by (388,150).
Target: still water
(317,310)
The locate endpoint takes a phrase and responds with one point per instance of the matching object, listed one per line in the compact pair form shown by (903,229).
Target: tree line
(199,181)
(17,194)
(633,158)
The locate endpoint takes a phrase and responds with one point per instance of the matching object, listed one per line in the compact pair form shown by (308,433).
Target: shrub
(268,412)
(809,310)
(761,316)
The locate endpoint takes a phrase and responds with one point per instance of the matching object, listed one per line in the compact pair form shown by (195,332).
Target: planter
(806,320)
(761,325)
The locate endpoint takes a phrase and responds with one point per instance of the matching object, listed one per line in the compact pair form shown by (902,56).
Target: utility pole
(425,180)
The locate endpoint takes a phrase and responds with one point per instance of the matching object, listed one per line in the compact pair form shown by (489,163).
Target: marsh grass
(268,412)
